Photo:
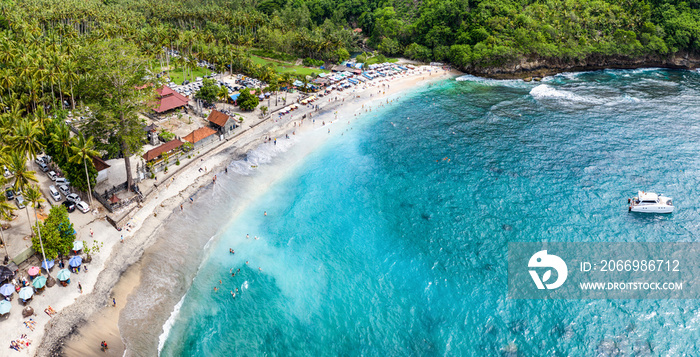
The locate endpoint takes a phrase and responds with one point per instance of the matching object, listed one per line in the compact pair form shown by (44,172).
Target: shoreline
(66,327)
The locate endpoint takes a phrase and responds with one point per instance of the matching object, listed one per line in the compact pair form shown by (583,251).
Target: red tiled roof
(218,118)
(99,164)
(169,99)
(167,147)
(164,90)
(199,134)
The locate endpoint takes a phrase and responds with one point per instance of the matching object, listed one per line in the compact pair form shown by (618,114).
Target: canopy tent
(48,264)
(6,273)
(26,293)
(78,245)
(75,261)
(234,97)
(63,275)
(7,289)
(33,271)
(5,307)
(39,282)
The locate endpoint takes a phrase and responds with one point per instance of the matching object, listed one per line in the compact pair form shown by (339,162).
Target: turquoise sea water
(391,239)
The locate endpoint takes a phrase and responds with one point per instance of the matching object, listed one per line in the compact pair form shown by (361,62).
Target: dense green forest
(466,33)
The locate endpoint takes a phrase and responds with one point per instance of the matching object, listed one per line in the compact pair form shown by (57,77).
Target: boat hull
(651,209)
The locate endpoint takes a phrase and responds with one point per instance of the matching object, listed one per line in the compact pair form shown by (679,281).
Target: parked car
(73,198)
(83,207)
(54,193)
(64,189)
(70,206)
(52,175)
(62,181)
(10,194)
(20,201)
(6,172)
(43,166)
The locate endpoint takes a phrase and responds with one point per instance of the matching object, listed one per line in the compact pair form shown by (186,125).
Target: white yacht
(649,202)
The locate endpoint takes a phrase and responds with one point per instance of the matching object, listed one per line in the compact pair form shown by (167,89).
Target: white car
(83,207)
(73,198)
(52,175)
(6,172)
(21,203)
(54,193)
(64,189)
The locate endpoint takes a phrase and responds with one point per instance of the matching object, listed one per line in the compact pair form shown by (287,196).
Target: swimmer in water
(247,235)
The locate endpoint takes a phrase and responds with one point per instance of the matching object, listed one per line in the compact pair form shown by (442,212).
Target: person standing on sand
(181,207)
(121,239)
(91,233)
(80,287)
(114,302)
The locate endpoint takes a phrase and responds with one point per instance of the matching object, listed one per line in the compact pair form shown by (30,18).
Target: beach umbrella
(39,282)
(75,261)
(26,293)
(5,273)
(7,289)
(33,271)
(63,275)
(48,264)
(77,245)
(28,311)
(5,307)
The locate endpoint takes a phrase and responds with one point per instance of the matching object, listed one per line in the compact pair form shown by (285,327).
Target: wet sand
(103,324)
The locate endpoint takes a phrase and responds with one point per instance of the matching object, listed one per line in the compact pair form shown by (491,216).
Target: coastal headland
(528,68)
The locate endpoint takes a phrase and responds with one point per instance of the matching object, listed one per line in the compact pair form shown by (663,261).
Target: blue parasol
(75,261)
(26,293)
(77,245)
(5,307)
(63,275)
(7,289)
(50,264)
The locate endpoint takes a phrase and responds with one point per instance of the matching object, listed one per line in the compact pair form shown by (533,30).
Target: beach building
(166,148)
(168,100)
(201,136)
(101,166)
(222,123)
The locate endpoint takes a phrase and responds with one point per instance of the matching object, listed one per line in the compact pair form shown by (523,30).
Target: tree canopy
(57,233)
(247,101)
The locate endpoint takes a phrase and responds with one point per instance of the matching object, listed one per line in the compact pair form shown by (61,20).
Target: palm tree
(16,162)
(34,196)
(62,142)
(5,214)
(83,150)
(26,139)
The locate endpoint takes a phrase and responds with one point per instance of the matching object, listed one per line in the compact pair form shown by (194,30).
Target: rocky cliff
(540,67)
